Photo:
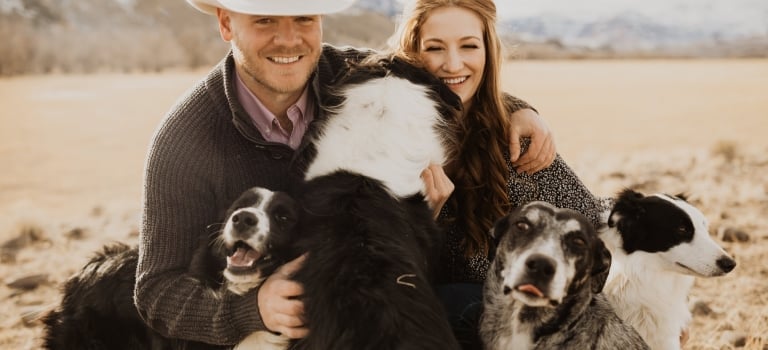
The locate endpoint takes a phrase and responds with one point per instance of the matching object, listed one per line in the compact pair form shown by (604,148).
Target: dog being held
(659,244)
(97,310)
(542,289)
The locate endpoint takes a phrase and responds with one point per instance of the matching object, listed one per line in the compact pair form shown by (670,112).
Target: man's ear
(225,24)
(600,267)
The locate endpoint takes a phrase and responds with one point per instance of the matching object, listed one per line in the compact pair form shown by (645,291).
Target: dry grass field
(73,149)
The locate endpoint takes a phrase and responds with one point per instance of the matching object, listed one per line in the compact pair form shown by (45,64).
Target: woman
(456,40)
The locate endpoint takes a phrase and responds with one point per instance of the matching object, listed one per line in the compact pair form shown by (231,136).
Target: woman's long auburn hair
(478,167)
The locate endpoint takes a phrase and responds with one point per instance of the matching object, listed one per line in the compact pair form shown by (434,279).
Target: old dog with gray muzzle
(542,291)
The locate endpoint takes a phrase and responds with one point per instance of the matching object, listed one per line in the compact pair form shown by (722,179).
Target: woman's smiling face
(451,46)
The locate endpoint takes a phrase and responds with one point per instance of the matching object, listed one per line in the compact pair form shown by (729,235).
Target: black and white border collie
(373,244)
(542,289)
(659,244)
(97,309)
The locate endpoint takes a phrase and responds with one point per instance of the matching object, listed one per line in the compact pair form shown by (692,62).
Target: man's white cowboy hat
(273,7)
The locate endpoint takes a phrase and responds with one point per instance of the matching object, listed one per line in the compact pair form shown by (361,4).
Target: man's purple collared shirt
(300,114)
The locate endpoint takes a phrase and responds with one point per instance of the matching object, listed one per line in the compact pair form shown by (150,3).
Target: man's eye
(305,20)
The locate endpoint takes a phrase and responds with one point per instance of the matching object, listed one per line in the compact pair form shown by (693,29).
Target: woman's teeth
(458,80)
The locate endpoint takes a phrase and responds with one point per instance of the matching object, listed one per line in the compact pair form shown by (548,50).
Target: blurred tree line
(88,36)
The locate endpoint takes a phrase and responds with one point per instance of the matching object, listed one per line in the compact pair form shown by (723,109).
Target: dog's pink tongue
(243,257)
(531,289)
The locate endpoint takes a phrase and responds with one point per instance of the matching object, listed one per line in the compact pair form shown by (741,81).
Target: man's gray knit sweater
(203,156)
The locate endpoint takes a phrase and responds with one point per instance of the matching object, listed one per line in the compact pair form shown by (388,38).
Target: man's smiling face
(274,54)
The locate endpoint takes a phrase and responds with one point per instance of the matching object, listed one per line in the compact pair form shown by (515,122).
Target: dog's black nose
(726,264)
(540,265)
(244,221)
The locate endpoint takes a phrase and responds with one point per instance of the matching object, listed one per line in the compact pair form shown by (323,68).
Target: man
(240,127)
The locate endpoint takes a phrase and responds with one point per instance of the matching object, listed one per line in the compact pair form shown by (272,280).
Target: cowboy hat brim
(272,7)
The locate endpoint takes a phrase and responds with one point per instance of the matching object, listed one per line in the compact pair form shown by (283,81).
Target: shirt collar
(265,120)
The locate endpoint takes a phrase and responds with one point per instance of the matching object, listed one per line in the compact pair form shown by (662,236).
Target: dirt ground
(73,149)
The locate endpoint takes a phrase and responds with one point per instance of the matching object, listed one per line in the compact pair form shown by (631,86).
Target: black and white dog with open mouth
(97,310)
(542,289)
(659,244)
(361,216)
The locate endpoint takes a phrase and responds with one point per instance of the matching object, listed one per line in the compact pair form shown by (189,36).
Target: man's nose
(287,34)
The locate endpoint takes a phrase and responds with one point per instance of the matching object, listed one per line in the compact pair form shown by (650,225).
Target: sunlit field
(73,149)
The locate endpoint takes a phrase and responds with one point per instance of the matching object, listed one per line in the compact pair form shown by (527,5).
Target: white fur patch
(387,129)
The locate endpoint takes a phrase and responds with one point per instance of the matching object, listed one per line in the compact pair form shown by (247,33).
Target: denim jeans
(464,305)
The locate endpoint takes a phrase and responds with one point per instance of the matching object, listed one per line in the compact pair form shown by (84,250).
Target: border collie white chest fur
(659,243)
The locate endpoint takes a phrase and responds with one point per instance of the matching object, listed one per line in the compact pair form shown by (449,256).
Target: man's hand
(281,310)
(438,187)
(541,152)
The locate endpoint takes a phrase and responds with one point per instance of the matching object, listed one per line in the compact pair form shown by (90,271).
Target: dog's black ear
(451,103)
(499,229)
(628,205)
(600,266)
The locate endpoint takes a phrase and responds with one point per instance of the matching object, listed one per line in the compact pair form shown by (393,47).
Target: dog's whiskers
(219,224)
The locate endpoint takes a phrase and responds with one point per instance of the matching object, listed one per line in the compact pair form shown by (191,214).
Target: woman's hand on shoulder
(541,152)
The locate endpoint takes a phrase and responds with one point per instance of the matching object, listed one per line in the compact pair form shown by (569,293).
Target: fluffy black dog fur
(97,311)
(368,273)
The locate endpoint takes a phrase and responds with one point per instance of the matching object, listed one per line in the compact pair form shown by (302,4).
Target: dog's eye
(281,217)
(682,230)
(579,242)
(522,226)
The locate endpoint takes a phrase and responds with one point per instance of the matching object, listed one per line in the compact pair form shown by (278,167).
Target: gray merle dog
(542,291)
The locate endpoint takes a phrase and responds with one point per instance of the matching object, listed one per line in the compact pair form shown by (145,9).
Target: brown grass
(74,147)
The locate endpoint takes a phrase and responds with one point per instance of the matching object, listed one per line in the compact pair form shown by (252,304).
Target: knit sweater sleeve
(180,205)
(514,104)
